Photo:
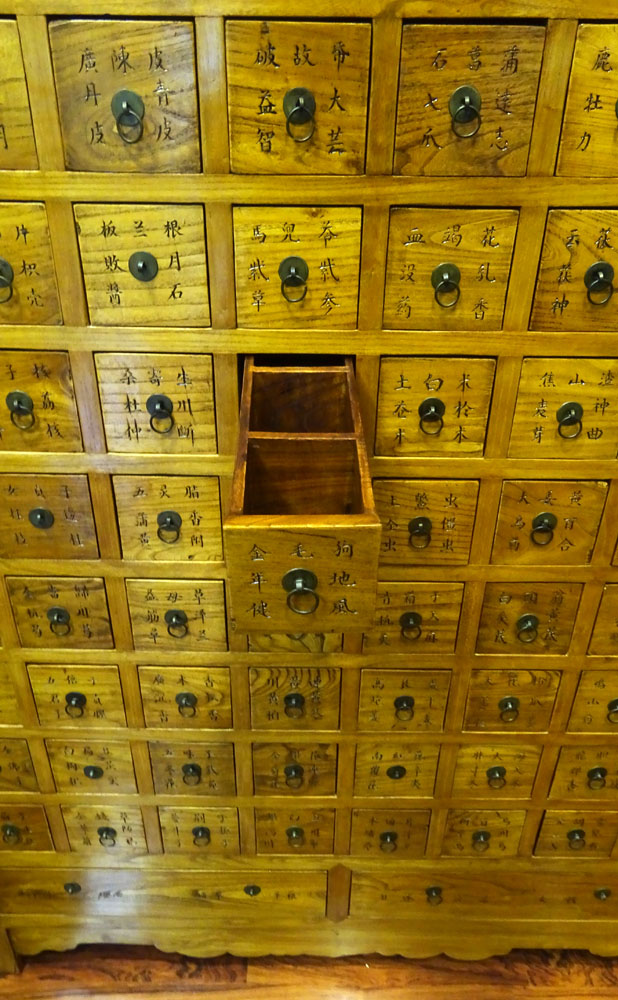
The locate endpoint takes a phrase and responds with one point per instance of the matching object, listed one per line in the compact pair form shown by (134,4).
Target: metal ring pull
(143,265)
(6,281)
(75,704)
(496,777)
(107,836)
(570,415)
(431,411)
(191,774)
(480,840)
(161,410)
(419,531)
(187,704)
(396,772)
(294,775)
(11,834)
(612,711)
(576,839)
(445,279)
(509,709)
(201,836)
(293,272)
(602,894)
(596,778)
(93,772)
(433,894)
(296,836)
(404,707)
(21,408)
(527,627)
(299,111)
(177,623)
(128,110)
(388,841)
(464,107)
(169,524)
(294,705)
(300,585)
(598,279)
(543,526)
(59,621)
(411,623)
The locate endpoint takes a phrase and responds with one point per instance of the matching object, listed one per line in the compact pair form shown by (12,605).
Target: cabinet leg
(9,961)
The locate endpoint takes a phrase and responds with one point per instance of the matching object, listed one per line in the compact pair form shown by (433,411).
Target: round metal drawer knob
(59,621)
(411,624)
(177,623)
(569,417)
(21,408)
(480,840)
(596,778)
(6,281)
(75,704)
(143,265)
(161,410)
(388,841)
(201,836)
(576,839)
(128,110)
(300,586)
(107,836)
(187,704)
(431,412)
(11,834)
(602,894)
(509,709)
(252,890)
(169,523)
(464,107)
(396,772)
(612,711)
(191,774)
(445,279)
(299,110)
(294,273)
(527,627)
(419,531)
(93,771)
(296,836)
(294,775)
(598,280)
(39,517)
(294,705)
(496,777)
(404,707)
(433,894)
(543,526)
(72,888)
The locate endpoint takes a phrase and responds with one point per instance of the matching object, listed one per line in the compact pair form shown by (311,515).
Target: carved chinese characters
(396,769)
(127,94)
(297,96)
(495,771)
(425,522)
(60,612)
(144,265)
(300,831)
(39,411)
(531,618)
(403,700)
(482,832)
(582,834)
(16,770)
(297,266)
(28,292)
(595,708)
(502,701)
(46,516)
(586,772)
(448,269)
(199,831)
(186,698)
(17,149)
(285,769)
(588,142)
(94,767)
(193,769)
(178,614)
(466,98)
(80,696)
(297,698)
(104,829)
(415,618)
(398,833)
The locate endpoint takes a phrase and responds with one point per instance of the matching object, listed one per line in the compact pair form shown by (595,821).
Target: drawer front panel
(589,773)
(502,701)
(400,770)
(577,834)
(482,833)
(383,833)
(43,416)
(47,517)
(595,708)
(495,771)
(403,700)
(284,769)
(415,617)
(301,831)
(425,522)
(9,709)
(17,149)
(93,767)
(84,697)
(604,639)
(529,618)
(16,770)
(29,291)
(295,698)
(203,832)
(105,829)
(186,698)
(178,614)
(60,612)
(24,828)
(193,768)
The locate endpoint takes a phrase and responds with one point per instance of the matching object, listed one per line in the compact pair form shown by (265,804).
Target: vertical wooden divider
(559,45)
(41,89)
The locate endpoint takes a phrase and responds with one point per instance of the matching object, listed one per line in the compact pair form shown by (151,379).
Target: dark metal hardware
(252,890)
(300,585)
(596,778)
(21,408)
(434,895)
(187,702)
(143,265)
(396,772)
(296,836)
(107,836)
(480,840)
(431,411)
(570,415)
(293,272)
(299,111)
(598,280)
(191,774)
(612,710)
(169,524)
(72,888)
(161,410)
(464,107)
(93,772)
(602,894)
(177,623)
(527,627)
(39,517)
(419,530)
(75,704)
(445,279)
(6,281)
(201,836)
(411,625)
(496,777)
(11,834)
(509,709)
(294,775)
(388,841)
(59,621)
(128,110)
(294,705)
(576,839)
(404,707)
(543,526)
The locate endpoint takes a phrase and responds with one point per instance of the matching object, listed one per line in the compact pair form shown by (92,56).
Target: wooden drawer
(193,768)
(81,696)
(425,522)
(403,700)
(37,387)
(205,832)
(544,426)
(588,773)
(169,518)
(24,828)
(105,829)
(321,290)
(482,832)
(97,60)
(300,831)
(295,698)
(60,612)
(548,522)
(495,771)
(186,697)
(28,291)
(400,770)
(448,269)
(383,833)
(583,834)
(519,701)
(271,131)
(17,148)
(604,638)
(9,709)
(414,618)
(161,403)
(595,708)
(178,614)
(435,132)
(16,770)
(47,517)
(528,618)
(96,767)
(285,769)
(422,413)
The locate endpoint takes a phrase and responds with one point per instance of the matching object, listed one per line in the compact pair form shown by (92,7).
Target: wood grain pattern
(45,376)
(85,600)
(71,534)
(104,829)
(17,149)
(436,609)
(183,830)
(186,698)
(53,686)
(202,603)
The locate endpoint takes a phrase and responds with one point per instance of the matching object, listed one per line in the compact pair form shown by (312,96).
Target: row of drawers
(298,95)
(446,268)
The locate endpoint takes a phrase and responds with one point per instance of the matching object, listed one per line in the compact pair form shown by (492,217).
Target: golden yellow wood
(414,618)
(25,528)
(295,831)
(54,688)
(184,830)
(29,293)
(531,694)
(199,625)
(289,769)
(84,622)
(193,768)
(99,830)
(17,149)
(186,697)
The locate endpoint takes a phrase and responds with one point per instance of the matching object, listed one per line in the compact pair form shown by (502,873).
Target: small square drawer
(24,828)
(403,700)
(588,140)
(37,387)
(595,708)
(520,619)
(566,409)
(284,769)
(178,614)
(168,518)
(448,269)
(301,831)
(311,280)
(422,413)
(401,833)
(16,770)
(159,403)
(186,697)
(482,832)
(199,831)
(127,94)
(425,522)
(401,770)
(97,830)
(575,281)
(97,767)
(17,148)
(60,612)
(295,698)
(495,771)
(47,517)
(518,701)
(28,291)
(284,117)
(548,522)
(9,709)
(88,696)
(193,768)
(467,95)
(604,638)
(160,282)
(299,642)
(577,834)
(415,618)
(585,772)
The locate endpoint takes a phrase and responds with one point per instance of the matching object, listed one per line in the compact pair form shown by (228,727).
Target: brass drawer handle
(576,839)
(411,625)
(187,704)
(11,834)
(509,709)
(21,408)
(612,711)
(543,526)
(527,627)
(294,775)
(93,772)
(39,517)
(75,704)
(169,524)
(388,841)
(596,778)
(404,707)
(177,623)
(293,272)
(143,265)
(252,890)
(570,415)
(6,281)
(300,585)
(602,894)
(480,840)
(191,774)
(59,621)
(464,107)
(598,280)
(496,777)
(72,888)
(161,410)
(201,836)
(433,894)
(296,836)
(396,772)
(294,705)
(419,531)
(107,836)
(445,279)
(431,411)
(128,110)
(299,111)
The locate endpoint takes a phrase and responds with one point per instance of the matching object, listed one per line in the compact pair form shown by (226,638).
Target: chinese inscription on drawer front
(28,292)
(403,700)
(425,522)
(448,269)
(297,266)
(401,770)
(28,829)
(577,834)
(91,767)
(297,698)
(566,409)
(415,618)
(157,402)
(482,833)
(45,517)
(297,96)
(147,66)
(9,711)
(17,149)
(301,831)
(595,709)
(401,833)
(144,265)
(528,618)
(60,612)
(77,696)
(189,698)
(16,770)
(586,772)
(495,771)
(178,614)
(95,828)
(429,406)
(193,769)
(439,131)
(604,639)
(503,701)
(283,769)
(202,831)
(41,414)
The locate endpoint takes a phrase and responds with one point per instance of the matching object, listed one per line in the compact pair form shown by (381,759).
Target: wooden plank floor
(131,973)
